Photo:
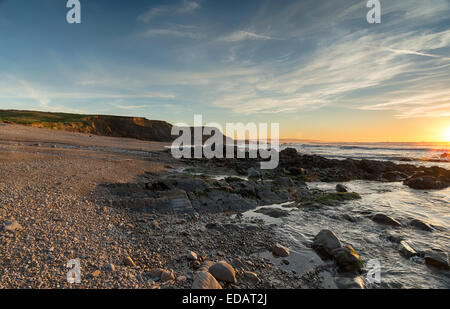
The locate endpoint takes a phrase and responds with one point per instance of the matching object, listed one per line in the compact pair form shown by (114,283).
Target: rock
(279,250)
(111,267)
(405,249)
(325,242)
(212,226)
(96,273)
(128,261)
(284,182)
(167,275)
(348,259)
(393,237)
(438,259)
(223,271)
(341,188)
(253,173)
(273,212)
(425,183)
(289,154)
(251,276)
(205,281)
(394,176)
(349,282)
(155,273)
(386,220)
(192,256)
(421,225)
(12,226)
(161,274)
(350,218)
(285,262)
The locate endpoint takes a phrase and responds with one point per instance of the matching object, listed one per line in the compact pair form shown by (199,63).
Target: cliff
(116,126)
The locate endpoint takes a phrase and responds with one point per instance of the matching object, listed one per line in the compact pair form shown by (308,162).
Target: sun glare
(446,135)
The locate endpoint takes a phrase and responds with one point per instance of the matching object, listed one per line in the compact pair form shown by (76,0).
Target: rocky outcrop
(345,170)
(184,193)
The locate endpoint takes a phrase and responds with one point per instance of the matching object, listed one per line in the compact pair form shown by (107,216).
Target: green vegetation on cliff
(116,126)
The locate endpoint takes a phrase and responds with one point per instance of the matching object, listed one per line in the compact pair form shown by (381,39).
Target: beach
(137,218)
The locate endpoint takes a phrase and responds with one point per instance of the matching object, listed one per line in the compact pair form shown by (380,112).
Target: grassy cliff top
(104,125)
(30,117)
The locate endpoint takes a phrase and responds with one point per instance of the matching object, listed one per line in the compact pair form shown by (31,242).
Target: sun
(446,135)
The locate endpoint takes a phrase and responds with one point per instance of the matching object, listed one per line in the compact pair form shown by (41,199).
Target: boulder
(438,259)
(280,251)
(386,220)
(341,188)
(425,183)
(223,271)
(205,281)
(406,250)
(348,259)
(325,242)
(421,225)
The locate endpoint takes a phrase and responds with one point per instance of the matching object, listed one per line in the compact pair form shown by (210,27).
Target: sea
(393,199)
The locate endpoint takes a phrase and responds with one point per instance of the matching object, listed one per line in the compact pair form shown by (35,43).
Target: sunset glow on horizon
(317,68)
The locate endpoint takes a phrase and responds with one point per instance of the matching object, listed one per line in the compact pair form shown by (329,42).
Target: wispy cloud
(183,7)
(412,52)
(344,68)
(244,35)
(179,31)
(16,88)
(429,101)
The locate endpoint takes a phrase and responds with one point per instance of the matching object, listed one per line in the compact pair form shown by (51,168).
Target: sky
(317,68)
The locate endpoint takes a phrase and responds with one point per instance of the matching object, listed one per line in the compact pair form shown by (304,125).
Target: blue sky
(313,66)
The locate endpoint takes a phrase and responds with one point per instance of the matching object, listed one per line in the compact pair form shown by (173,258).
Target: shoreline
(108,207)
